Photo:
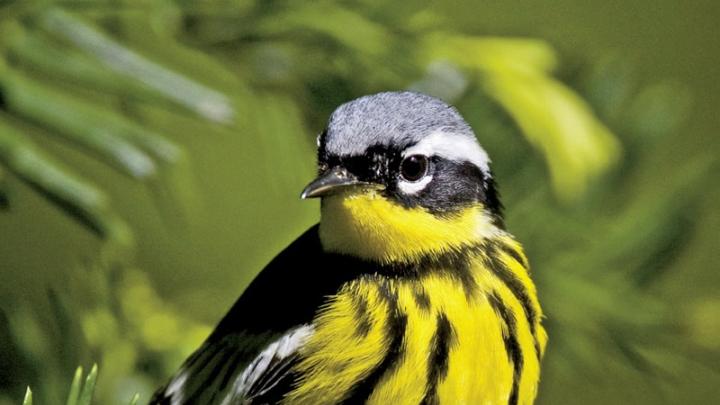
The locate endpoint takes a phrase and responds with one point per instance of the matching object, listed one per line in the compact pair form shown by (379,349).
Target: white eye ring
(414,173)
(414,187)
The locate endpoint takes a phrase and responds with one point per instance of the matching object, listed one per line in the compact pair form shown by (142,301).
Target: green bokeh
(624,250)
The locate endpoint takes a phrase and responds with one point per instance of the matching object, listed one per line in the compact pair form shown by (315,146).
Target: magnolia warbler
(408,291)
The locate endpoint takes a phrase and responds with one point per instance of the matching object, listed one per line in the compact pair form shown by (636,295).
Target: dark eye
(414,168)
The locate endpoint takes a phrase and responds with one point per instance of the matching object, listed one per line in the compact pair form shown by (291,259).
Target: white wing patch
(269,361)
(199,381)
(174,390)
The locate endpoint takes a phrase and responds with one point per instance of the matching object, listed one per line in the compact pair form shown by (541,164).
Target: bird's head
(402,176)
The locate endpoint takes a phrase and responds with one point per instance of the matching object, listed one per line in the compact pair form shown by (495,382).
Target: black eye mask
(454,185)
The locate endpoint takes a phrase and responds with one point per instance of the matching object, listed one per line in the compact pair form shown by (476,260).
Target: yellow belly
(497,339)
(478,368)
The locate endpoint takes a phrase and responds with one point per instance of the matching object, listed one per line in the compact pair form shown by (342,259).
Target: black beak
(330,182)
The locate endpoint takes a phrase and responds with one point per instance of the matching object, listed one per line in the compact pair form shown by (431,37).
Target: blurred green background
(152,153)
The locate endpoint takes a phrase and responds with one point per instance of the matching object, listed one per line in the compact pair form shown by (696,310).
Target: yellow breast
(446,313)
(468,365)
(425,339)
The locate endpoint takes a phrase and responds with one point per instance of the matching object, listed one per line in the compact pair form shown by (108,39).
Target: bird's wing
(235,370)
(249,356)
(269,375)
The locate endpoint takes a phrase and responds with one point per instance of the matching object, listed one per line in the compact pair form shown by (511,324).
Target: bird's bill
(331,182)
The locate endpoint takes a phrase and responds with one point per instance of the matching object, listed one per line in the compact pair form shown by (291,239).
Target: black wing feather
(285,295)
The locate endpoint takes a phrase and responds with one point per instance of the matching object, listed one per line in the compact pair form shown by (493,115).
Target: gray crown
(398,119)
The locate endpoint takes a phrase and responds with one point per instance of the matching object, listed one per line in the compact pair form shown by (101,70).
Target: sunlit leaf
(75,196)
(576,145)
(521,55)
(517,74)
(28,399)
(44,54)
(75,386)
(88,389)
(332,20)
(99,130)
(206,102)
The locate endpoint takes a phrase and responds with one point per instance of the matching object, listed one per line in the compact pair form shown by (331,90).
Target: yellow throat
(369,226)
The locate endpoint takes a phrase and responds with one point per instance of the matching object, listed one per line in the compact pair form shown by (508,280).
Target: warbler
(408,291)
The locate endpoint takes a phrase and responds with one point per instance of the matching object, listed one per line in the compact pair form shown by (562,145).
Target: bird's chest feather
(429,339)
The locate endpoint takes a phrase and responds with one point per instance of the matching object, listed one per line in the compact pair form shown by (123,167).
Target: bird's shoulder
(289,290)
(252,350)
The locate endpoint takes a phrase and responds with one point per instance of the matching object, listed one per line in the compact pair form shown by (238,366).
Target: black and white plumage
(260,351)
(248,357)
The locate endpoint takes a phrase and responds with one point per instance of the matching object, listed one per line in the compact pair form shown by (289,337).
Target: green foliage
(55,71)
(44,43)
(27,400)
(192,124)
(80,393)
(516,73)
(87,389)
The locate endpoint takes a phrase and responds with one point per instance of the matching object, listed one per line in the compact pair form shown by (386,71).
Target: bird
(409,290)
